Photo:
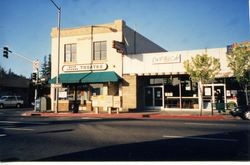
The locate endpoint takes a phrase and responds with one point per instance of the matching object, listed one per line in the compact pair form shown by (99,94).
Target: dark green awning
(92,77)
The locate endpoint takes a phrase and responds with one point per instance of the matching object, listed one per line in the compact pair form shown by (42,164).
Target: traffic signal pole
(35,64)
(16,54)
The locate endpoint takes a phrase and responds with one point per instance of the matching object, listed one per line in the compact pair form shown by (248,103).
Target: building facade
(91,64)
(112,66)
(162,83)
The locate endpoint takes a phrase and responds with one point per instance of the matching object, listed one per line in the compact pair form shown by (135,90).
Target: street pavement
(93,138)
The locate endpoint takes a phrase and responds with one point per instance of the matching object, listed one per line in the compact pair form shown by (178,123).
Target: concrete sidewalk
(132,115)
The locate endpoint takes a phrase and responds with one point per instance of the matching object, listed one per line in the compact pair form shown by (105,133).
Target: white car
(11,101)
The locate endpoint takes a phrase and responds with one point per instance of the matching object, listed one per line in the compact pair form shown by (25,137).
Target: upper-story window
(100,50)
(70,53)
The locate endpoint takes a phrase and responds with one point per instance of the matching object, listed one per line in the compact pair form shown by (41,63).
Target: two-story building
(91,64)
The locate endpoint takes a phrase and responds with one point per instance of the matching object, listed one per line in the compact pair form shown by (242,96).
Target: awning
(91,77)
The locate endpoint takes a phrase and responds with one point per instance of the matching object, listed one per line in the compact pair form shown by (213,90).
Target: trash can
(38,104)
(220,107)
(74,107)
(42,104)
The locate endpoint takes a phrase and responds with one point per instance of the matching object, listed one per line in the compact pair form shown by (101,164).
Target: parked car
(11,101)
(241,111)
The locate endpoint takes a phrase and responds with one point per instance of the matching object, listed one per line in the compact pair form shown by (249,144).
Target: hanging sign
(84,67)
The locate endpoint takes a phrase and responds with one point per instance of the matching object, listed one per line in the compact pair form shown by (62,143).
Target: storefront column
(180,94)
(129,92)
(52,97)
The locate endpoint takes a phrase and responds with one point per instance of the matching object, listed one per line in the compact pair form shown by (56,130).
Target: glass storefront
(179,92)
(169,92)
(82,94)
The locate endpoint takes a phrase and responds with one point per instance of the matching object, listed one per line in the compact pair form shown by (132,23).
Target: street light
(58,64)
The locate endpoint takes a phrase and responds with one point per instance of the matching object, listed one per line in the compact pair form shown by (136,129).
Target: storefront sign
(62,95)
(117,101)
(164,59)
(102,101)
(84,67)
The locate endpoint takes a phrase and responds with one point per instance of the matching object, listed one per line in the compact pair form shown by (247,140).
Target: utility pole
(58,55)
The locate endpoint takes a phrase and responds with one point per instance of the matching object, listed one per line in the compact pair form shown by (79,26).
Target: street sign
(36,65)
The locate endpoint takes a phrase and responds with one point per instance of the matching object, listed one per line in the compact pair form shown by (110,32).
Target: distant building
(15,86)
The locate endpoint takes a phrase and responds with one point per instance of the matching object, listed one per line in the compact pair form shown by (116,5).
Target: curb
(126,115)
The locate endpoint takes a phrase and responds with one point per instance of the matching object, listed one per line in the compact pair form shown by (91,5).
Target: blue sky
(25,25)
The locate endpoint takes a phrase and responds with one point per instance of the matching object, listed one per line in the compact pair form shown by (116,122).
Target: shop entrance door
(214,96)
(153,97)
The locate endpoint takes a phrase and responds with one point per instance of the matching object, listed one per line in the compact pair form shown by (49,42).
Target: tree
(49,66)
(239,62)
(46,75)
(46,68)
(202,69)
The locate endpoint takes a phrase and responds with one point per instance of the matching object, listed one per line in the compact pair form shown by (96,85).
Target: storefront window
(97,89)
(180,93)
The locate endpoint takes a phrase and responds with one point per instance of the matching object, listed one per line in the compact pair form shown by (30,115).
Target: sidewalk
(133,115)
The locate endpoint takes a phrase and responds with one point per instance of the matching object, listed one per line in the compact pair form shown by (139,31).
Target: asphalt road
(94,139)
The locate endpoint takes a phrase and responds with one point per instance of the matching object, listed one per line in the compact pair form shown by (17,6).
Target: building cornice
(116,26)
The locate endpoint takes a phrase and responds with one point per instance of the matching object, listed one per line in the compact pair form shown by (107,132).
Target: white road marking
(212,124)
(10,122)
(201,138)
(19,129)
(94,118)
(23,122)
(2,135)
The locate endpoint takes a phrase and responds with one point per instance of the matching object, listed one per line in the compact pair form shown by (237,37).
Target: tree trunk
(246,94)
(200,88)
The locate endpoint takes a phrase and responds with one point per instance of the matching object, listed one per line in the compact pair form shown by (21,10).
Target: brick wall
(129,94)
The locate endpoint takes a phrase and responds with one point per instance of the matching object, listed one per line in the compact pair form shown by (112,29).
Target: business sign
(164,59)
(117,101)
(84,67)
(102,101)
(119,46)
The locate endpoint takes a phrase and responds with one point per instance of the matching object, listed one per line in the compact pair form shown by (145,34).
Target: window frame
(70,55)
(99,50)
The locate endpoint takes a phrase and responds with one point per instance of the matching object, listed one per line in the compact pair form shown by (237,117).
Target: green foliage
(202,68)
(46,67)
(239,62)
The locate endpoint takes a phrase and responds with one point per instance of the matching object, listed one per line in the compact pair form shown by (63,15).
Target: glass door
(154,97)
(157,96)
(148,96)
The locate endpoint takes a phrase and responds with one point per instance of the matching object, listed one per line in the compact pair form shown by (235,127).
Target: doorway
(214,96)
(153,97)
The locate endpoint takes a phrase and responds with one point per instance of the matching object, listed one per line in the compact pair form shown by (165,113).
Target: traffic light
(5,52)
(33,76)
